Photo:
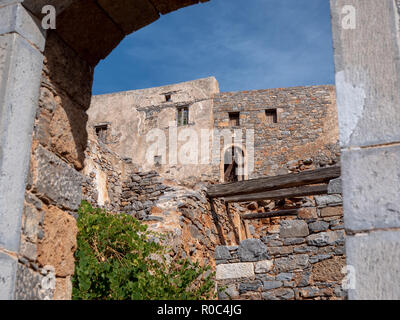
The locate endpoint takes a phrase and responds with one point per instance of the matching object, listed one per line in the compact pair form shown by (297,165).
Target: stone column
(22,43)
(366,45)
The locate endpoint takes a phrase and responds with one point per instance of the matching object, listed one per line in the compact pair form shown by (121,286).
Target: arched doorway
(234,164)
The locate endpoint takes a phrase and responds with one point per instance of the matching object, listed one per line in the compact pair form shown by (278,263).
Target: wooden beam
(289,212)
(274,183)
(280,194)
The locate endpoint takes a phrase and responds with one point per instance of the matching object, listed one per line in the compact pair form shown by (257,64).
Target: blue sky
(245,44)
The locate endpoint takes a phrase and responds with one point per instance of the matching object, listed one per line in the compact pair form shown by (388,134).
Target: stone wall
(180,210)
(367,82)
(306,127)
(54,188)
(105,172)
(288,258)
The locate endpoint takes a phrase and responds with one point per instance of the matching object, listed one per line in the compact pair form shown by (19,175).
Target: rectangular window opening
(168,97)
(157,160)
(183,116)
(234,119)
(271,115)
(101,132)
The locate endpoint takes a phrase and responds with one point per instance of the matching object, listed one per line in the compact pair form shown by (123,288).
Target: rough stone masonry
(368,100)
(302,258)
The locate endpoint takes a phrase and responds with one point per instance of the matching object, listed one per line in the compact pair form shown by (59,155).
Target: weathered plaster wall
(306,129)
(133,115)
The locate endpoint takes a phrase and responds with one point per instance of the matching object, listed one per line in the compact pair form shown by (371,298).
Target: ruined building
(47,166)
(225,137)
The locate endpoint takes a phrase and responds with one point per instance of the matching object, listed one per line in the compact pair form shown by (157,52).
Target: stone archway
(233,165)
(87,32)
(61,64)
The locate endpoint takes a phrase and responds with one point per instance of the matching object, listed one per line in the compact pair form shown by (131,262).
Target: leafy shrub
(117,260)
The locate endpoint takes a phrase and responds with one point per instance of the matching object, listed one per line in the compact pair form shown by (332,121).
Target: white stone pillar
(366,46)
(22,43)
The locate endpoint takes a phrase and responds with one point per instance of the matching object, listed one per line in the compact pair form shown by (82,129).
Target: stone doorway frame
(367,83)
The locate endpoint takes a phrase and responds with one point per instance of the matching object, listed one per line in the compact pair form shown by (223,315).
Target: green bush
(117,260)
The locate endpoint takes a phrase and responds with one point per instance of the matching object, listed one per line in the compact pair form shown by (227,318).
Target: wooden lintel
(289,212)
(281,194)
(274,183)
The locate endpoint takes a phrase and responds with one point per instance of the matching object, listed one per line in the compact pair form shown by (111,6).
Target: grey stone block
(20,74)
(269,285)
(230,292)
(328,200)
(335,186)
(291,263)
(29,285)
(320,257)
(293,241)
(376,261)
(293,229)
(31,224)
(15,18)
(326,238)
(368,98)
(284,276)
(56,180)
(249,286)
(222,253)
(371,188)
(318,226)
(285,293)
(264,266)
(8,270)
(252,250)
(29,250)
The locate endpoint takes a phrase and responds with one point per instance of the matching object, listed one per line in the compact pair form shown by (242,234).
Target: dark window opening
(271,115)
(168,97)
(183,116)
(234,119)
(101,132)
(157,160)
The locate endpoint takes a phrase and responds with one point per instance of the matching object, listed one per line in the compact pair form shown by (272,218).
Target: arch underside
(93,28)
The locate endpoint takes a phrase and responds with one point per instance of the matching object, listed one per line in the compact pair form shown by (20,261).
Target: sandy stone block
(63,289)
(59,243)
(331,211)
(329,270)
(235,271)
(307,213)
